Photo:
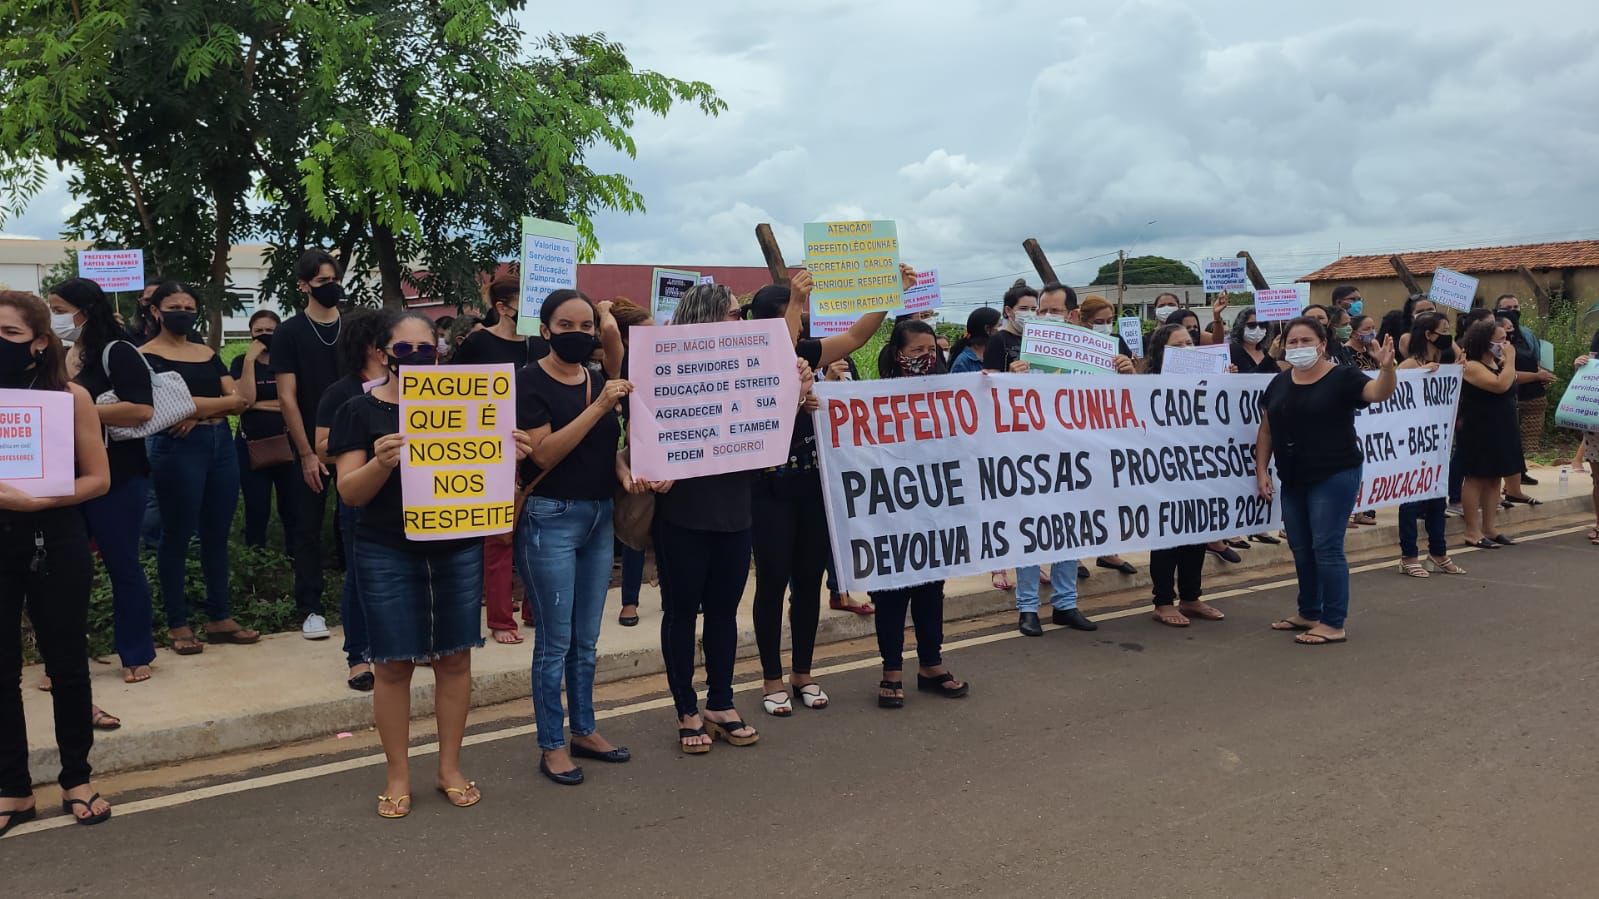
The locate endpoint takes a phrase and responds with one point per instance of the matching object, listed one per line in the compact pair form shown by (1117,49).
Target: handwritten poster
(1452,289)
(924,297)
(1228,273)
(1132,331)
(36,442)
(854,270)
(1196,360)
(1064,347)
(667,288)
(1280,304)
(113,270)
(458,466)
(711,398)
(549,263)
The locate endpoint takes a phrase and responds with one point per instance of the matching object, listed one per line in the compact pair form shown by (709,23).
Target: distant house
(1571,266)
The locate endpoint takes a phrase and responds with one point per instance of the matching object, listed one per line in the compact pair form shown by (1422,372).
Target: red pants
(497,584)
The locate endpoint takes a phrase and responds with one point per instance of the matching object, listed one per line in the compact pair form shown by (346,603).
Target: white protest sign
(1280,304)
(1132,331)
(37,441)
(707,279)
(1068,347)
(548,263)
(924,297)
(668,287)
(1195,360)
(1579,407)
(1228,273)
(1452,289)
(949,475)
(113,270)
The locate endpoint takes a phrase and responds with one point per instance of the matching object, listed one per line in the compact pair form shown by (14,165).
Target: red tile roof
(1568,254)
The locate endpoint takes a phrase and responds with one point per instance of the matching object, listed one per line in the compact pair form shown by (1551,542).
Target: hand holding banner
(1063,347)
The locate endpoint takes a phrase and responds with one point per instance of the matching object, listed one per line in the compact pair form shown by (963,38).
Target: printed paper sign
(1230,273)
(1196,360)
(458,467)
(707,279)
(1132,331)
(1279,304)
(924,297)
(1579,407)
(1062,347)
(1452,289)
(854,270)
(36,441)
(549,263)
(669,285)
(710,399)
(1021,470)
(113,270)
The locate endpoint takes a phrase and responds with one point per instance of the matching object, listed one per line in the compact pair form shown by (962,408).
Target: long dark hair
(888,357)
(1236,335)
(362,328)
(1157,347)
(1476,342)
(50,365)
(978,323)
(1420,345)
(99,322)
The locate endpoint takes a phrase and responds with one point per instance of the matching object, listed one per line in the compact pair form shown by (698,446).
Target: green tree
(413,132)
(1148,270)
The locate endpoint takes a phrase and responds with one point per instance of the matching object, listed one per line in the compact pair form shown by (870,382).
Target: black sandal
(683,733)
(723,730)
(18,816)
(891,701)
(1267,539)
(67,804)
(939,685)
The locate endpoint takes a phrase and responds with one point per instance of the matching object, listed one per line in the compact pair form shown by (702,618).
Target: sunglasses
(427,351)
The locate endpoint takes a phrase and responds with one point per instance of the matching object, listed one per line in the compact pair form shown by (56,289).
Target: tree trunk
(389,270)
(216,289)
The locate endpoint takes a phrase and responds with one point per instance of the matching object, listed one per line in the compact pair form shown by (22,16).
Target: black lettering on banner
(1133,522)
(1193,516)
(1249,411)
(995,543)
(1224,412)
(1439,391)
(1032,474)
(913,551)
(1179,408)
(1379,447)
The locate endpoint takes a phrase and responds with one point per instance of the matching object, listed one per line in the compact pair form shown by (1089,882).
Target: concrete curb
(116,751)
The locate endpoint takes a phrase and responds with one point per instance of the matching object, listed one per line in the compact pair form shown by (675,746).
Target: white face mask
(1051,317)
(1302,356)
(1023,316)
(1103,329)
(61,323)
(1164,312)
(1254,335)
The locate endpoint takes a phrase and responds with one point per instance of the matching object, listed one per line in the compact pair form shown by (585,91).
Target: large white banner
(949,475)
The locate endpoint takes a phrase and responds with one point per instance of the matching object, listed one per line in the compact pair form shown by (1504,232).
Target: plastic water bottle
(1565,480)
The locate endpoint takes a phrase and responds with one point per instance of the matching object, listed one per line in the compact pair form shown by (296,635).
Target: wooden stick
(1046,272)
(1253,270)
(772,252)
(1406,278)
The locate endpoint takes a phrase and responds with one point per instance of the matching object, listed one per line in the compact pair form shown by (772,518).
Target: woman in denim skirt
(422,599)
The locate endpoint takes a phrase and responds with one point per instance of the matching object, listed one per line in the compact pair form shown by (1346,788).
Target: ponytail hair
(978,323)
(100,326)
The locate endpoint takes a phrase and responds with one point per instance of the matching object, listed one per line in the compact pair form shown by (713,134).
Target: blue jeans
(422,602)
(564,552)
(1062,584)
(113,521)
(197,485)
(150,527)
(357,645)
(632,574)
(1432,511)
(1316,517)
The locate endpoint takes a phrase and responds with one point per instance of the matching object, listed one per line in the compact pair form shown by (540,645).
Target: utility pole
(1121,281)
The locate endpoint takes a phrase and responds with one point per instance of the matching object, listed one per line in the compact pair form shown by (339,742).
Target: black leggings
(926,605)
(56,598)
(700,571)
(1186,564)
(790,542)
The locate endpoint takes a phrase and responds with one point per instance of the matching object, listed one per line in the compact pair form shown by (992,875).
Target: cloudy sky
(1180,127)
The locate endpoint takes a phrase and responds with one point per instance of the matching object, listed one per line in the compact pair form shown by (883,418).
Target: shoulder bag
(169,394)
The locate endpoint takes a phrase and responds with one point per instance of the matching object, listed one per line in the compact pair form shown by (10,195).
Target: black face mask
(179,323)
(328,294)
(1446,349)
(572,347)
(1511,315)
(15,356)
(266,340)
(1193,334)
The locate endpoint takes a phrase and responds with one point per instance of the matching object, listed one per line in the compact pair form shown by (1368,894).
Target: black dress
(1488,442)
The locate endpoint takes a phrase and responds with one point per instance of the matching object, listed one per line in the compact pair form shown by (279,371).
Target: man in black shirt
(305,358)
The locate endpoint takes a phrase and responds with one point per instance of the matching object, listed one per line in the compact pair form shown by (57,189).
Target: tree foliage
(409,134)
(1148,270)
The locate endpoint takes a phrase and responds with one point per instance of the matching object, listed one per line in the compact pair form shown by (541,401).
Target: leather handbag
(267,452)
(633,515)
(169,394)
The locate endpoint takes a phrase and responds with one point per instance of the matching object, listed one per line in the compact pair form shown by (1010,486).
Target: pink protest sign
(458,467)
(710,399)
(36,441)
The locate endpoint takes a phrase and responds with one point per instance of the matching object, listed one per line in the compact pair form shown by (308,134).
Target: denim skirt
(420,606)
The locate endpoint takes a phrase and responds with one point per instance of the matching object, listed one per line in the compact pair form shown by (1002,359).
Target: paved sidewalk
(286,689)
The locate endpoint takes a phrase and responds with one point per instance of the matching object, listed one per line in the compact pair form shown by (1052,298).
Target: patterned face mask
(917,365)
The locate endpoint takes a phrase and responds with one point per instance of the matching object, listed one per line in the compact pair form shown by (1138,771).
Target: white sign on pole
(1228,273)
(1452,289)
(113,270)
(1280,304)
(549,263)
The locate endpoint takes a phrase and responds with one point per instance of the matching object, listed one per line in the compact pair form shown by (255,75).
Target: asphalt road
(1447,750)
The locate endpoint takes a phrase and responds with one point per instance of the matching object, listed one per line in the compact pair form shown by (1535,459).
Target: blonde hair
(1091,306)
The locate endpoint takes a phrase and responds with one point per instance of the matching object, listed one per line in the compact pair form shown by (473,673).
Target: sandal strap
(684,733)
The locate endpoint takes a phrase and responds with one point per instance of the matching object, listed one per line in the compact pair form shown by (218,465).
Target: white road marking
(284,777)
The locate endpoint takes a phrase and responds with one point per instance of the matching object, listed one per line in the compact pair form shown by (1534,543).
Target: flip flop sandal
(684,733)
(132,676)
(812,697)
(1287,624)
(1001,581)
(239,636)
(515,638)
(1413,569)
(18,816)
(1483,543)
(777,704)
(720,730)
(1318,640)
(451,792)
(402,806)
(941,686)
(187,646)
(91,819)
(1524,500)
(102,720)
(1171,619)
(890,701)
(1205,614)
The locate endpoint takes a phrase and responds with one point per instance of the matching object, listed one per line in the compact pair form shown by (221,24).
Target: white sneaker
(315,628)
(1453,510)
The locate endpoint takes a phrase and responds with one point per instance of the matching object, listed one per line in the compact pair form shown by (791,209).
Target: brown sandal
(1172,618)
(235,634)
(136,674)
(100,719)
(185,643)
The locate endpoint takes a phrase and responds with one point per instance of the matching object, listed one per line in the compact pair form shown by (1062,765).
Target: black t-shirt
(718,502)
(204,378)
(589,470)
(485,347)
(254,424)
(1313,425)
(1003,349)
(1527,361)
(1247,366)
(131,380)
(338,393)
(308,351)
(802,446)
(537,348)
(357,426)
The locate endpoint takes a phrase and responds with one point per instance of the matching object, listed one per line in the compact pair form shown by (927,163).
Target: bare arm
(1263,457)
(229,403)
(124,415)
(247,380)
(611,341)
(1483,378)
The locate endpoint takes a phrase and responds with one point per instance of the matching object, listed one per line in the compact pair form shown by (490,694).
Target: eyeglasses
(426,351)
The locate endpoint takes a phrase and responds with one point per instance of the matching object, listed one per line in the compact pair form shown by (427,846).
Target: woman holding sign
(421,597)
(1488,442)
(1429,336)
(565,543)
(1307,426)
(45,569)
